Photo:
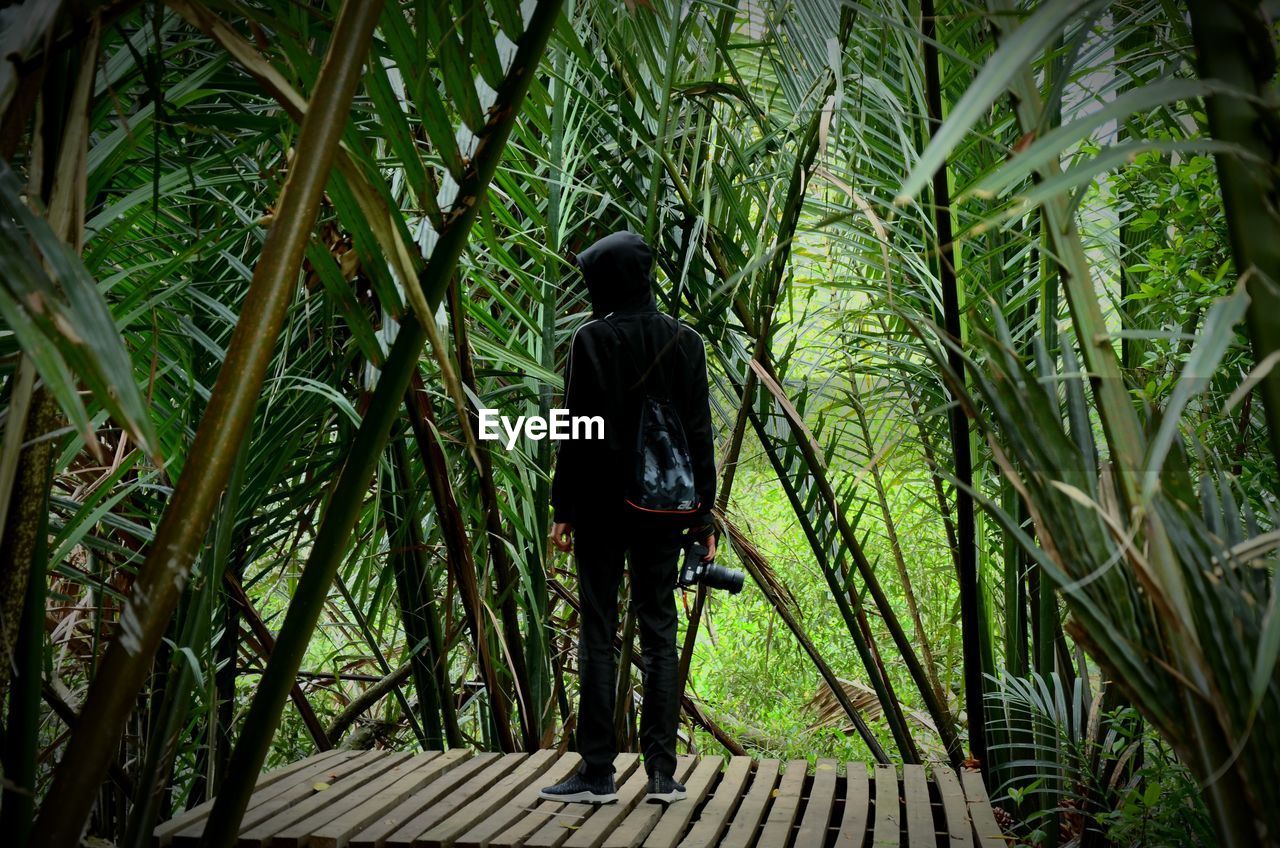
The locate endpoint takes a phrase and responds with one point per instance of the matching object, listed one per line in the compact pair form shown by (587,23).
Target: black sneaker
(663,789)
(582,790)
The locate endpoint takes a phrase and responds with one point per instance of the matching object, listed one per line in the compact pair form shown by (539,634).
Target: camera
(695,571)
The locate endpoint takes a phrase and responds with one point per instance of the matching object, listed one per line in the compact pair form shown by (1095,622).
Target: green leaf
(65,326)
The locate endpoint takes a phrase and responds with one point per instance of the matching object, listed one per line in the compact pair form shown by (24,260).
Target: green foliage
(1104,773)
(760,148)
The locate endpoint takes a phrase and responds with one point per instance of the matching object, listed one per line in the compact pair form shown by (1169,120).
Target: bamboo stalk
(971,620)
(22,731)
(414,595)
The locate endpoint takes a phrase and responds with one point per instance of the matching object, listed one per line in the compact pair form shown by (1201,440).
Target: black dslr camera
(695,571)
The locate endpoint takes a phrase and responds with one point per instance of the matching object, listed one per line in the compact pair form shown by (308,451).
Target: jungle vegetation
(990,293)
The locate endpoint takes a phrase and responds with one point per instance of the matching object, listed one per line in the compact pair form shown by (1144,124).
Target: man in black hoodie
(626,350)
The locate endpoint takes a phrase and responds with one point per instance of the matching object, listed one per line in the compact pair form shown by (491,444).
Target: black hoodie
(626,349)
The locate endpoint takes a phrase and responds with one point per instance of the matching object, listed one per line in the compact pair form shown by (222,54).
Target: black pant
(654,551)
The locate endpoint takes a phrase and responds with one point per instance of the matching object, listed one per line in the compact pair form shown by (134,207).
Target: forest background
(992,363)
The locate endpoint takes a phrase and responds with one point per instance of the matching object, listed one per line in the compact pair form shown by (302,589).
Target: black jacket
(627,349)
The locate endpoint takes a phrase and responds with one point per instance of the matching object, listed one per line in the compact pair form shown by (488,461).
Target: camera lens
(727,579)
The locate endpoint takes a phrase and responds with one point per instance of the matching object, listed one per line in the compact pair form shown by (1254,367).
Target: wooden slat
(545,812)
(339,831)
(954,808)
(888,827)
(984,819)
(263,833)
(817,813)
(443,807)
(915,792)
(742,832)
(163,834)
(786,803)
(483,833)
(447,831)
(300,832)
(667,832)
(725,799)
(375,834)
(294,789)
(306,788)
(857,800)
(631,831)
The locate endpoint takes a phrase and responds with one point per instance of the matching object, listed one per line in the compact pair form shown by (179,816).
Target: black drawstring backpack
(660,480)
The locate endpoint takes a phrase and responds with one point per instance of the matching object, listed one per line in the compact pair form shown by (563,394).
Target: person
(627,349)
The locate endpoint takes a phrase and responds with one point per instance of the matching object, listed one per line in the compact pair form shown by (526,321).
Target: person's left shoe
(664,789)
(580,789)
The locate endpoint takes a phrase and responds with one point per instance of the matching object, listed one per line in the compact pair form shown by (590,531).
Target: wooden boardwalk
(370,799)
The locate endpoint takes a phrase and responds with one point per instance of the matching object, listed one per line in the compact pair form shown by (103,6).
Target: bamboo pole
(961,449)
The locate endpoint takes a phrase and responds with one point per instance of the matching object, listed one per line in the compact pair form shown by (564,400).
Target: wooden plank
(954,808)
(817,813)
(265,831)
(163,834)
(742,832)
(724,800)
(300,832)
(888,827)
(546,812)
(630,831)
(667,832)
(296,788)
(339,831)
(443,807)
(980,812)
(447,831)
(375,834)
(857,800)
(915,792)
(307,788)
(484,832)
(786,803)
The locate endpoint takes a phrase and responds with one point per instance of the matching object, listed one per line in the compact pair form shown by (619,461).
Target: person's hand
(562,536)
(710,544)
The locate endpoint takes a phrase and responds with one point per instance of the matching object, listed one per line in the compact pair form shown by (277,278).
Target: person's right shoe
(578,788)
(663,789)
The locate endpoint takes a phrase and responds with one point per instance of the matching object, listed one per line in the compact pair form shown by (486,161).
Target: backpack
(659,478)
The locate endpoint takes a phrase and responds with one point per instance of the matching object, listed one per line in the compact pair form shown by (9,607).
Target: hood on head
(618,272)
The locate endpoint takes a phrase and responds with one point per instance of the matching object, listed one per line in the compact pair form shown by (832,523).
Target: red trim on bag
(692,511)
